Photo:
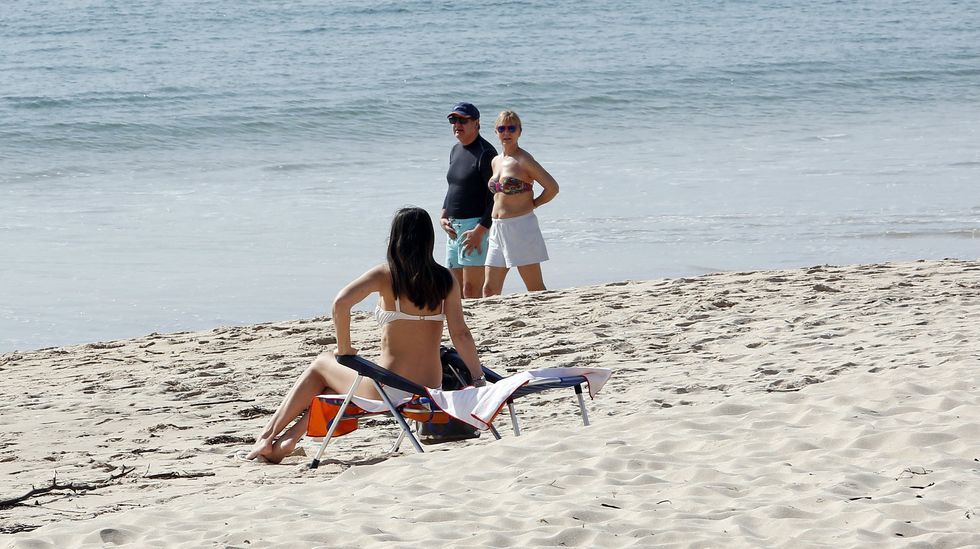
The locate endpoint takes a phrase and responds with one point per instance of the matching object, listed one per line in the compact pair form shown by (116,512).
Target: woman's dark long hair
(414,272)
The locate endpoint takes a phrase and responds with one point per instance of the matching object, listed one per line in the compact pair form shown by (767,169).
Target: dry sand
(820,407)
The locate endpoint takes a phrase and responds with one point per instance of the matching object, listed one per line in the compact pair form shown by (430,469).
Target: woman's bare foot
(281,449)
(285,444)
(263,447)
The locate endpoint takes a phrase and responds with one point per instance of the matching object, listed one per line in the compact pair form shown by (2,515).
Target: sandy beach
(831,406)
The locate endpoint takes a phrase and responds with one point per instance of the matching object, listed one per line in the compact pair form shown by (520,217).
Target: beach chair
(404,400)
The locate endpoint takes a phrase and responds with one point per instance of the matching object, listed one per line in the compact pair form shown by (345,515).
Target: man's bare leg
(473,278)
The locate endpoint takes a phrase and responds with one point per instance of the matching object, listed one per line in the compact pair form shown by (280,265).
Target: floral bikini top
(509,185)
(386,317)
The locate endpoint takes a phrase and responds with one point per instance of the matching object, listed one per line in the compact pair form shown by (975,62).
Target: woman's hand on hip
(344,352)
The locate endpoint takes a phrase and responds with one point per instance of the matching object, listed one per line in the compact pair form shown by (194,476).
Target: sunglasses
(510,129)
(459,120)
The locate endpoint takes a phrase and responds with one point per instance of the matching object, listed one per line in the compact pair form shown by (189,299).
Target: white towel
(477,406)
(397,396)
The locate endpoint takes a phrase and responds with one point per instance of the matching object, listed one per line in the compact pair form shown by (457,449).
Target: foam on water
(181,165)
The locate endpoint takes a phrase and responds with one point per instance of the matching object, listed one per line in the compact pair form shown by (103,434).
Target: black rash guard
(469,170)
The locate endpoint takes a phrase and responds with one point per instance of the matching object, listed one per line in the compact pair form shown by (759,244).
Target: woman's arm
(351,295)
(460,333)
(541,175)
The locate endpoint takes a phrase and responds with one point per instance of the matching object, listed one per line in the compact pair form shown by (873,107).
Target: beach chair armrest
(492,377)
(385,377)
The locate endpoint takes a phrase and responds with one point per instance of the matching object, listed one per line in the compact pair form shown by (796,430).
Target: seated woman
(416,297)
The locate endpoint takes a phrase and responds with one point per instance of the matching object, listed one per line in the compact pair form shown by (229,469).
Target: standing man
(468,203)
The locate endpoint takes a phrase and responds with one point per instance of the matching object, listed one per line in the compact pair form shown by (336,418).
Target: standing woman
(515,237)
(417,296)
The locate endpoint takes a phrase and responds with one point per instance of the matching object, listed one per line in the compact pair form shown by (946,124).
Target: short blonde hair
(507,116)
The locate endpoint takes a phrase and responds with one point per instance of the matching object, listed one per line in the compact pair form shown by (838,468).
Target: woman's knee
(322,365)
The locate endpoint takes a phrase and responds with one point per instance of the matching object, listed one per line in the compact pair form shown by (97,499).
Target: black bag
(455,375)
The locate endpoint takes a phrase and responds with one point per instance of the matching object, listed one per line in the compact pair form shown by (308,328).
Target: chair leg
(336,421)
(493,430)
(398,443)
(513,418)
(581,404)
(406,430)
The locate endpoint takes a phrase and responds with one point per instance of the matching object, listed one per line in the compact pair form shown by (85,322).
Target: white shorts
(516,241)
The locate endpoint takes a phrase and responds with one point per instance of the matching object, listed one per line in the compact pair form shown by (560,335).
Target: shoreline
(745,408)
(115,324)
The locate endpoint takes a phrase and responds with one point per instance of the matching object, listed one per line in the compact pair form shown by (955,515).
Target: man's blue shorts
(456,258)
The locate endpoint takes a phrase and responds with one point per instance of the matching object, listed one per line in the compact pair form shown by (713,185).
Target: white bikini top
(386,317)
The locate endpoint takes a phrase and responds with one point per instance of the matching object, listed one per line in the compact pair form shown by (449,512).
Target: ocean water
(181,165)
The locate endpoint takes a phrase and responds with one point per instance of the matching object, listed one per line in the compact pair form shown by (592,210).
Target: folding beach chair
(421,406)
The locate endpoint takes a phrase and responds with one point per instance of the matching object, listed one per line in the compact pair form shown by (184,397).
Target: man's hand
(448,227)
(473,240)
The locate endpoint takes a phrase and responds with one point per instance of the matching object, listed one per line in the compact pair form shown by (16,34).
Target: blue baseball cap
(465,109)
